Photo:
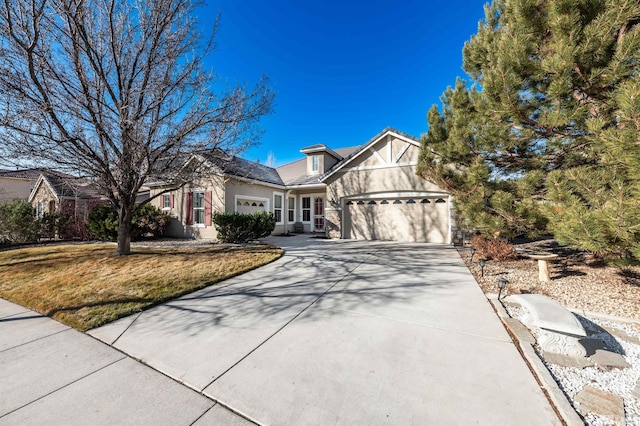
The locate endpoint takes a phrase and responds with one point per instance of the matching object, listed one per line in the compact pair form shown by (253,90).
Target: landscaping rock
(621,334)
(604,404)
(609,360)
(567,361)
(636,391)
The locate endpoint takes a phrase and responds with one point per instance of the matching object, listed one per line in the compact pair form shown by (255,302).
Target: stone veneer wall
(45,195)
(332,223)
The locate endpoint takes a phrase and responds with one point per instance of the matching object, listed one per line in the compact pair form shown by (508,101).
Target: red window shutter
(207,208)
(189,208)
(171,202)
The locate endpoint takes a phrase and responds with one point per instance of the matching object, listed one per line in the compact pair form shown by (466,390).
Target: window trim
(281,208)
(165,198)
(315,163)
(303,208)
(291,209)
(195,223)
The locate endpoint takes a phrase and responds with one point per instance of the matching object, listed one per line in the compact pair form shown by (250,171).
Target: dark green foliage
(56,225)
(241,228)
(147,220)
(103,223)
(17,222)
(548,135)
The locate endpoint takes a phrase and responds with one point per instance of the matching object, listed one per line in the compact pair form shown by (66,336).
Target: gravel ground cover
(582,283)
(578,281)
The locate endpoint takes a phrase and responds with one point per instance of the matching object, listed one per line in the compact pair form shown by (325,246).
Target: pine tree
(548,135)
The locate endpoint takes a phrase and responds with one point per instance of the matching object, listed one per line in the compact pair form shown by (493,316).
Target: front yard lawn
(87,285)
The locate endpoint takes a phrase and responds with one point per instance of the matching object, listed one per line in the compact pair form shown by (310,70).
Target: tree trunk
(124,231)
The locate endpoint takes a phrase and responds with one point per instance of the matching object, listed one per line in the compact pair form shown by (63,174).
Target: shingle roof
(239,167)
(70,186)
(29,174)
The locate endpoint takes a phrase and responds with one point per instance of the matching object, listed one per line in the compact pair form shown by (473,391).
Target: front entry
(318,215)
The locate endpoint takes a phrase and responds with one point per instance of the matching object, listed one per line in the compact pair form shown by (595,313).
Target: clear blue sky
(342,70)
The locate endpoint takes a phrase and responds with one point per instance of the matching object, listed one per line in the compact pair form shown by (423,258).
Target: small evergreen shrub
(18,223)
(494,248)
(103,223)
(241,228)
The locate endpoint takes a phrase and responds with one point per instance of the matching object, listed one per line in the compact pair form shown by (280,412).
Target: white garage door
(398,219)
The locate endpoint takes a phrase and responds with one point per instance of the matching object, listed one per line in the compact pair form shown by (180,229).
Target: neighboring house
(17,184)
(69,195)
(367,192)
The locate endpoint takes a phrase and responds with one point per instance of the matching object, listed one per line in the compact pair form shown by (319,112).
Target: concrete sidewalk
(51,374)
(343,332)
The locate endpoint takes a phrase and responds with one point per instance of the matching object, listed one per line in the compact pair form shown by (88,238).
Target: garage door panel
(397,220)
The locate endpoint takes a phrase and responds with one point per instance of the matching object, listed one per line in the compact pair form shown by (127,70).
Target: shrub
(241,228)
(55,225)
(103,223)
(17,222)
(147,220)
(494,248)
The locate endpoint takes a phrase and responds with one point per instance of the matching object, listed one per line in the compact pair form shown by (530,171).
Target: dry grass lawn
(87,285)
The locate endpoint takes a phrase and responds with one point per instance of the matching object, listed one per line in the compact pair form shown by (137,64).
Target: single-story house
(72,196)
(18,184)
(366,192)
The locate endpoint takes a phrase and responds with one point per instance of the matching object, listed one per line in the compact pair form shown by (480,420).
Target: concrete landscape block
(548,314)
(605,404)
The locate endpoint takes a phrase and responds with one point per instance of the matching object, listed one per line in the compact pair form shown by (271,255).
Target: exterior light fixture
(482,262)
(502,283)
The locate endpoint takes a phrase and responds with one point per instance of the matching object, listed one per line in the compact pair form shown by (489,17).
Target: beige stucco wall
(393,177)
(236,189)
(11,188)
(178,227)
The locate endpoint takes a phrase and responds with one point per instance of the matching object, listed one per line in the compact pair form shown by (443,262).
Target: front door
(318,215)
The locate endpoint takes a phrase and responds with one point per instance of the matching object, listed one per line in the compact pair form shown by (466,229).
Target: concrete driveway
(343,332)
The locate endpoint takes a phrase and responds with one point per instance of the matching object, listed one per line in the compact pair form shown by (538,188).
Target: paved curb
(525,341)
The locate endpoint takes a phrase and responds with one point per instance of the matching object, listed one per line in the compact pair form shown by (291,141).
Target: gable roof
(295,173)
(66,186)
(363,148)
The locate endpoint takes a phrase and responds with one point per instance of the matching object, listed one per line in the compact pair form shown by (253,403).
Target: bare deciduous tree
(116,90)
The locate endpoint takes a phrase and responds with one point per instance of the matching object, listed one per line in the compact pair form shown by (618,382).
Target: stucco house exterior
(17,184)
(366,192)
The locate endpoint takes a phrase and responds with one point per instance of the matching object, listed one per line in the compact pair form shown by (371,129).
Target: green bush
(18,223)
(147,220)
(103,223)
(241,228)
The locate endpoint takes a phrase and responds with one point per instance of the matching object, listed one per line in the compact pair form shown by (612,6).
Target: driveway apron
(343,332)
